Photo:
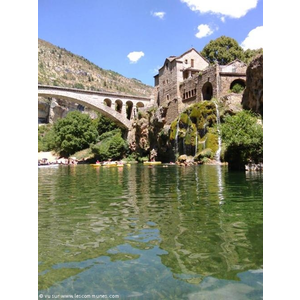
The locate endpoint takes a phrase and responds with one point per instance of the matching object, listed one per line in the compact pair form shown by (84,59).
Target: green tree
(243,136)
(111,146)
(46,138)
(104,124)
(237,88)
(223,50)
(73,133)
(250,54)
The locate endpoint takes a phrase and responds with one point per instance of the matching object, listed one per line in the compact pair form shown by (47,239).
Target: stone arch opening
(207,91)
(129,107)
(140,104)
(118,106)
(107,102)
(237,85)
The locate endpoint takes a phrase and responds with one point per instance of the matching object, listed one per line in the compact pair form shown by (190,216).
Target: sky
(134,37)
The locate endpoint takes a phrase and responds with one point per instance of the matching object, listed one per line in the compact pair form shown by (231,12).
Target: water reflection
(178,225)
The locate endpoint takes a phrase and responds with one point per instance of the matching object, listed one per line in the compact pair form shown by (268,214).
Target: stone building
(188,78)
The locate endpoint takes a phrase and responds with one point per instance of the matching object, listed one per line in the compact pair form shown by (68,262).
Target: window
(192,63)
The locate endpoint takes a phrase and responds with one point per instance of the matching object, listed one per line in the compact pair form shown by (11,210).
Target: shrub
(79,86)
(111,146)
(237,88)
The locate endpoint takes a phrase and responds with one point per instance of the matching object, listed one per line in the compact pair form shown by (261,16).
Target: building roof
(190,50)
(177,58)
(234,61)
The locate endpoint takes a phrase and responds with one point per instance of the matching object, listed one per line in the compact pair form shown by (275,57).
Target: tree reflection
(207,221)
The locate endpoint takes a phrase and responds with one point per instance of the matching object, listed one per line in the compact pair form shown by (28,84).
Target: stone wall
(189,93)
(226,79)
(172,111)
(207,78)
(236,66)
(167,82)
(198,62)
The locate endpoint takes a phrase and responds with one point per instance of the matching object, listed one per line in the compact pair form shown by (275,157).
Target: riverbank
(50,156)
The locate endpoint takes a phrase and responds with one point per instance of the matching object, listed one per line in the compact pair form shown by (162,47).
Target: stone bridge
(120,108)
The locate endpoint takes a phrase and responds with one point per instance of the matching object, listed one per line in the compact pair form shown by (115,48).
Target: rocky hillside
(59,67)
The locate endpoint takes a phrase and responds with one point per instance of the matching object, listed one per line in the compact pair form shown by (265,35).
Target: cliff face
(147,131)
(253,94)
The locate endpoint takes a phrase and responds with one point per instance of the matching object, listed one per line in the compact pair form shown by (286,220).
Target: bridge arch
(140,104)
(118,106)
(129,109)
(78,98)
(107,102)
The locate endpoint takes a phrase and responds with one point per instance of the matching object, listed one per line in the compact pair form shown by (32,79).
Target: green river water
(150,233)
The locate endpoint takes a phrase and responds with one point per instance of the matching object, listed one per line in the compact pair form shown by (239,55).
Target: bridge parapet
(101,93)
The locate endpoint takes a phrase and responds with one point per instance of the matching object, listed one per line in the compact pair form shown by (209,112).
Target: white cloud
(159,14)
(228,8)
(254,40)
(156,70)
(135,56)
(203,31)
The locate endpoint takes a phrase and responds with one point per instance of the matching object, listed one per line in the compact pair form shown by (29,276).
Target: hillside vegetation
(59,67)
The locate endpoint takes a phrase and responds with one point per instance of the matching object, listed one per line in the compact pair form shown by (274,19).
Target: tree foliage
(243,137)
(46,138)
(251,53)
(73,133)
(111,146)
(78,131)
(223,50)
(104,124)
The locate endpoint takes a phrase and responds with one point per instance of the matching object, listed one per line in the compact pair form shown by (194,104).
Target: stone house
(188,78)
(174,71)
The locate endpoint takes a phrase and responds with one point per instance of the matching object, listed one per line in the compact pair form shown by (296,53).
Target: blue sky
(134,37)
